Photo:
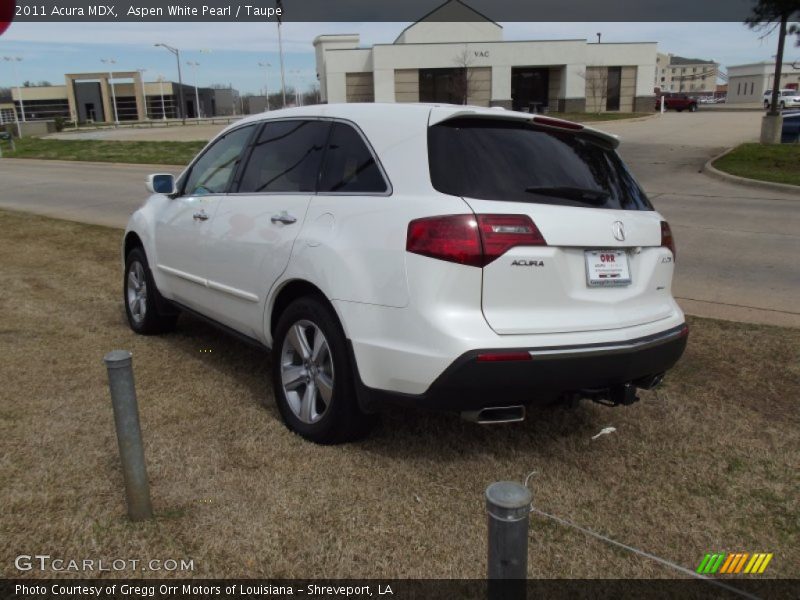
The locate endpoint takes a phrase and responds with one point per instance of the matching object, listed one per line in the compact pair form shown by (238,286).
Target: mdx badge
(619,231)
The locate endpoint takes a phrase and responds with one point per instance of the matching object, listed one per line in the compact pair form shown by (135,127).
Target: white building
(747,83)
(689,75)
(456,55)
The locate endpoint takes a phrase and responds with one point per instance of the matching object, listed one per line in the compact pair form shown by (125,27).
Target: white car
(450,257)
(788,98)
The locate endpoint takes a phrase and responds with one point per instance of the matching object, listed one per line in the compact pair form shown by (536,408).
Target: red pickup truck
(679,102)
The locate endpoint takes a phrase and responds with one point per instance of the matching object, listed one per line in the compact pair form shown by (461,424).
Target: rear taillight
(500,233)
(667,241)
(474,240)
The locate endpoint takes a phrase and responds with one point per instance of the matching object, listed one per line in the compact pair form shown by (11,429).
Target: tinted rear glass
(349,165)
(515,161)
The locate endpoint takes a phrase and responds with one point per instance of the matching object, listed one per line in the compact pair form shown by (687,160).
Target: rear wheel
(312,375)
(140,297)
(783,105)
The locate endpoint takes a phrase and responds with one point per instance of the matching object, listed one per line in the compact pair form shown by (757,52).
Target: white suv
(450,257)
(787,98)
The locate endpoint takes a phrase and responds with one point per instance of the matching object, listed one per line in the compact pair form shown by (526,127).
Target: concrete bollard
(129,434)
(508,513)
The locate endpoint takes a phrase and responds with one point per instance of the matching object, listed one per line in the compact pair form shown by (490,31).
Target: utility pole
(266,67)
(194,64)
(177,53)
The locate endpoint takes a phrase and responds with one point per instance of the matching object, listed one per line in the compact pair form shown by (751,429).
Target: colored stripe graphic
(765,563)
(731,564)
(740,564)
(703,563)
(727,564)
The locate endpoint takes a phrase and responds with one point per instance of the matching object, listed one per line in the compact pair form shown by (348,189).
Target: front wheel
(312,375)
(139,294)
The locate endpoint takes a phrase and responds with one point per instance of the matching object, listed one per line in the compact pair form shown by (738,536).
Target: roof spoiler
(440,116)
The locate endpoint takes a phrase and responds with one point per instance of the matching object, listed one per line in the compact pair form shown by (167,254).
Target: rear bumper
(471,384)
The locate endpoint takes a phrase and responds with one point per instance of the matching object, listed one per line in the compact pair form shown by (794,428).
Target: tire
(766,104)
(693,108)
(309,357)
(782,105)
(141,298)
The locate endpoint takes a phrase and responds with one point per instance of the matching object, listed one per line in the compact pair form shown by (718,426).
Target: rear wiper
(571,193)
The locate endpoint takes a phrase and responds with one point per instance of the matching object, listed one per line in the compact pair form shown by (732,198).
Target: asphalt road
(738,247)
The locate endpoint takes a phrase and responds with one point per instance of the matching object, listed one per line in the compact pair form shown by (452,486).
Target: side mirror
(161,183)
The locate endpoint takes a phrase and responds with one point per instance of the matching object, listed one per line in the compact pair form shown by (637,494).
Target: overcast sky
(229,53)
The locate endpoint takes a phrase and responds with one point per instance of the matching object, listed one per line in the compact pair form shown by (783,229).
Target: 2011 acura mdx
(452,257)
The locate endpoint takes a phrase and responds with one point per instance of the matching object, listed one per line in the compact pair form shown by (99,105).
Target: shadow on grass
(400,432)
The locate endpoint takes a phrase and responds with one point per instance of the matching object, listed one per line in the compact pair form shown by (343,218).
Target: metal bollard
(508,511)
(129,434)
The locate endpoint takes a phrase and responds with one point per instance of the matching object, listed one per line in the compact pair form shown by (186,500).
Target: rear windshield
(490,159)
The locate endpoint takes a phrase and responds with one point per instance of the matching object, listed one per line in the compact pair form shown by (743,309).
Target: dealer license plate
(607,268)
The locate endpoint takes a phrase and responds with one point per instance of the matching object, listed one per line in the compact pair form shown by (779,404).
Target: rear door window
(286,157)
(492,159)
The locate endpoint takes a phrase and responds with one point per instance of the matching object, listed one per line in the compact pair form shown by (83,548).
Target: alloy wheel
(137,292)
(307,371)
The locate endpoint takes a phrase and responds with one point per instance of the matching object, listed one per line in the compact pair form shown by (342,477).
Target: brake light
(453,238)
(550,122)
(667,241)
(473,240)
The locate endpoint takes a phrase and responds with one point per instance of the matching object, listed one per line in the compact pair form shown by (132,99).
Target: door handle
(200,216)
(284,218)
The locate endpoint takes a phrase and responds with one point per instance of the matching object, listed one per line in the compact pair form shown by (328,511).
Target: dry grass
(711,465)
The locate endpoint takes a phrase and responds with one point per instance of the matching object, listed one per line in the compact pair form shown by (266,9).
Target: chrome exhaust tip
(495,415)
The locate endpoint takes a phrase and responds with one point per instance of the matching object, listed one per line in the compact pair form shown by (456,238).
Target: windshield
(492,159)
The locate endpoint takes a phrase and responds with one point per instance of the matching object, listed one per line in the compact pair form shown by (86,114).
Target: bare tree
(597,86)
(463,83)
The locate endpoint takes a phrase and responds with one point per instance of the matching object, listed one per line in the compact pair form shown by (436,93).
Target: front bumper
(471,384)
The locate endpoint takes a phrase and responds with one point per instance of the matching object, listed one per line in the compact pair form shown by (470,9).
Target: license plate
(607,268)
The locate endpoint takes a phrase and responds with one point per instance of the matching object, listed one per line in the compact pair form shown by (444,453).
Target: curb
(711,171)
(90,163)
(631,120)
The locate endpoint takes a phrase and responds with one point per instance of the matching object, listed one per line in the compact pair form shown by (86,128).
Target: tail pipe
(495,415)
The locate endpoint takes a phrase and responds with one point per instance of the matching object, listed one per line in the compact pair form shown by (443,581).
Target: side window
(349,164)
(286,157)
(213,171)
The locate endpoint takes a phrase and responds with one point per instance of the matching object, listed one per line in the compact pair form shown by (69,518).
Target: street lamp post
(14,60)
(177,54)
(144,93)
(110,62)
(266,67)
(298,97)
(194,64)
